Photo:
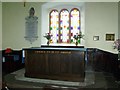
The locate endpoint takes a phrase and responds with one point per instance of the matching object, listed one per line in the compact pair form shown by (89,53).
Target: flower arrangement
(117,44)
(77,37)
(48,37)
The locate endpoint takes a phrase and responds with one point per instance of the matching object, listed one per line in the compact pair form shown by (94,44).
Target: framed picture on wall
(95,38)
(110,37)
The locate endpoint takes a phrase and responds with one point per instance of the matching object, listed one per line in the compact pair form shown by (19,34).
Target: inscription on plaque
(31,25)
(55,52)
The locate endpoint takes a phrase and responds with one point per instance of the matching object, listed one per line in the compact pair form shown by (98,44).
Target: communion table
(55,63)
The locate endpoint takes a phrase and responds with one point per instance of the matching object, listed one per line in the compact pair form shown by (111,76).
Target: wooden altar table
(55,63)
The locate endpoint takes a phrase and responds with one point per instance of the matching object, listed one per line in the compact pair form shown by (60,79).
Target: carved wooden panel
(55,64)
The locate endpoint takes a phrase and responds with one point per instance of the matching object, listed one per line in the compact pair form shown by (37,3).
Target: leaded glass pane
(64,26)
(75,23)
(54,25)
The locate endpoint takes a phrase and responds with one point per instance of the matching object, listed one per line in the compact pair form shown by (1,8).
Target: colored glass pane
(78,41)
(62,27)
(54,25)
(71,40)
(50,28)
(67,28)
(64,23)
(75,22)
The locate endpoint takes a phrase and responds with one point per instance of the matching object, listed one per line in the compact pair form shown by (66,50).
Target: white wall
(100,18)
(0,25)
(0,45)
(14,24)
(119,20)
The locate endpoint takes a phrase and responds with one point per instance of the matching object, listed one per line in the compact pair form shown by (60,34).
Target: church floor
(16,80)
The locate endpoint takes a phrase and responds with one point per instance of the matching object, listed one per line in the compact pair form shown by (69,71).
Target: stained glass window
(64,25)
(54,25)
(74,23)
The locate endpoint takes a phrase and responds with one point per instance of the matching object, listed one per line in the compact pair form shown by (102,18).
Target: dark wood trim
(12,61)
(103,61)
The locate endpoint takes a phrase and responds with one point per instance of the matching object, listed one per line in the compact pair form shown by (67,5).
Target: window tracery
(64,24)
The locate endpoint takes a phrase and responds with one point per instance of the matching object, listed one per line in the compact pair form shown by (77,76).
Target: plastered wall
(100,18)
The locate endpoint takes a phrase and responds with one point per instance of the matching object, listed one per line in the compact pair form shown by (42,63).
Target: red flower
(8,50)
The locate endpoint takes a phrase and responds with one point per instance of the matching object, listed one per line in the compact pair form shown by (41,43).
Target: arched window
(54,25)
(74,22)
(64,24)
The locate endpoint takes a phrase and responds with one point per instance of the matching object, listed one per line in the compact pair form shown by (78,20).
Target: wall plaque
(31,26)
(110,37)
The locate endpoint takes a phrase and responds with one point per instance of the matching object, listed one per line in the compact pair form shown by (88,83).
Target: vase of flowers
(48,37)
(77,38)
(117,46)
